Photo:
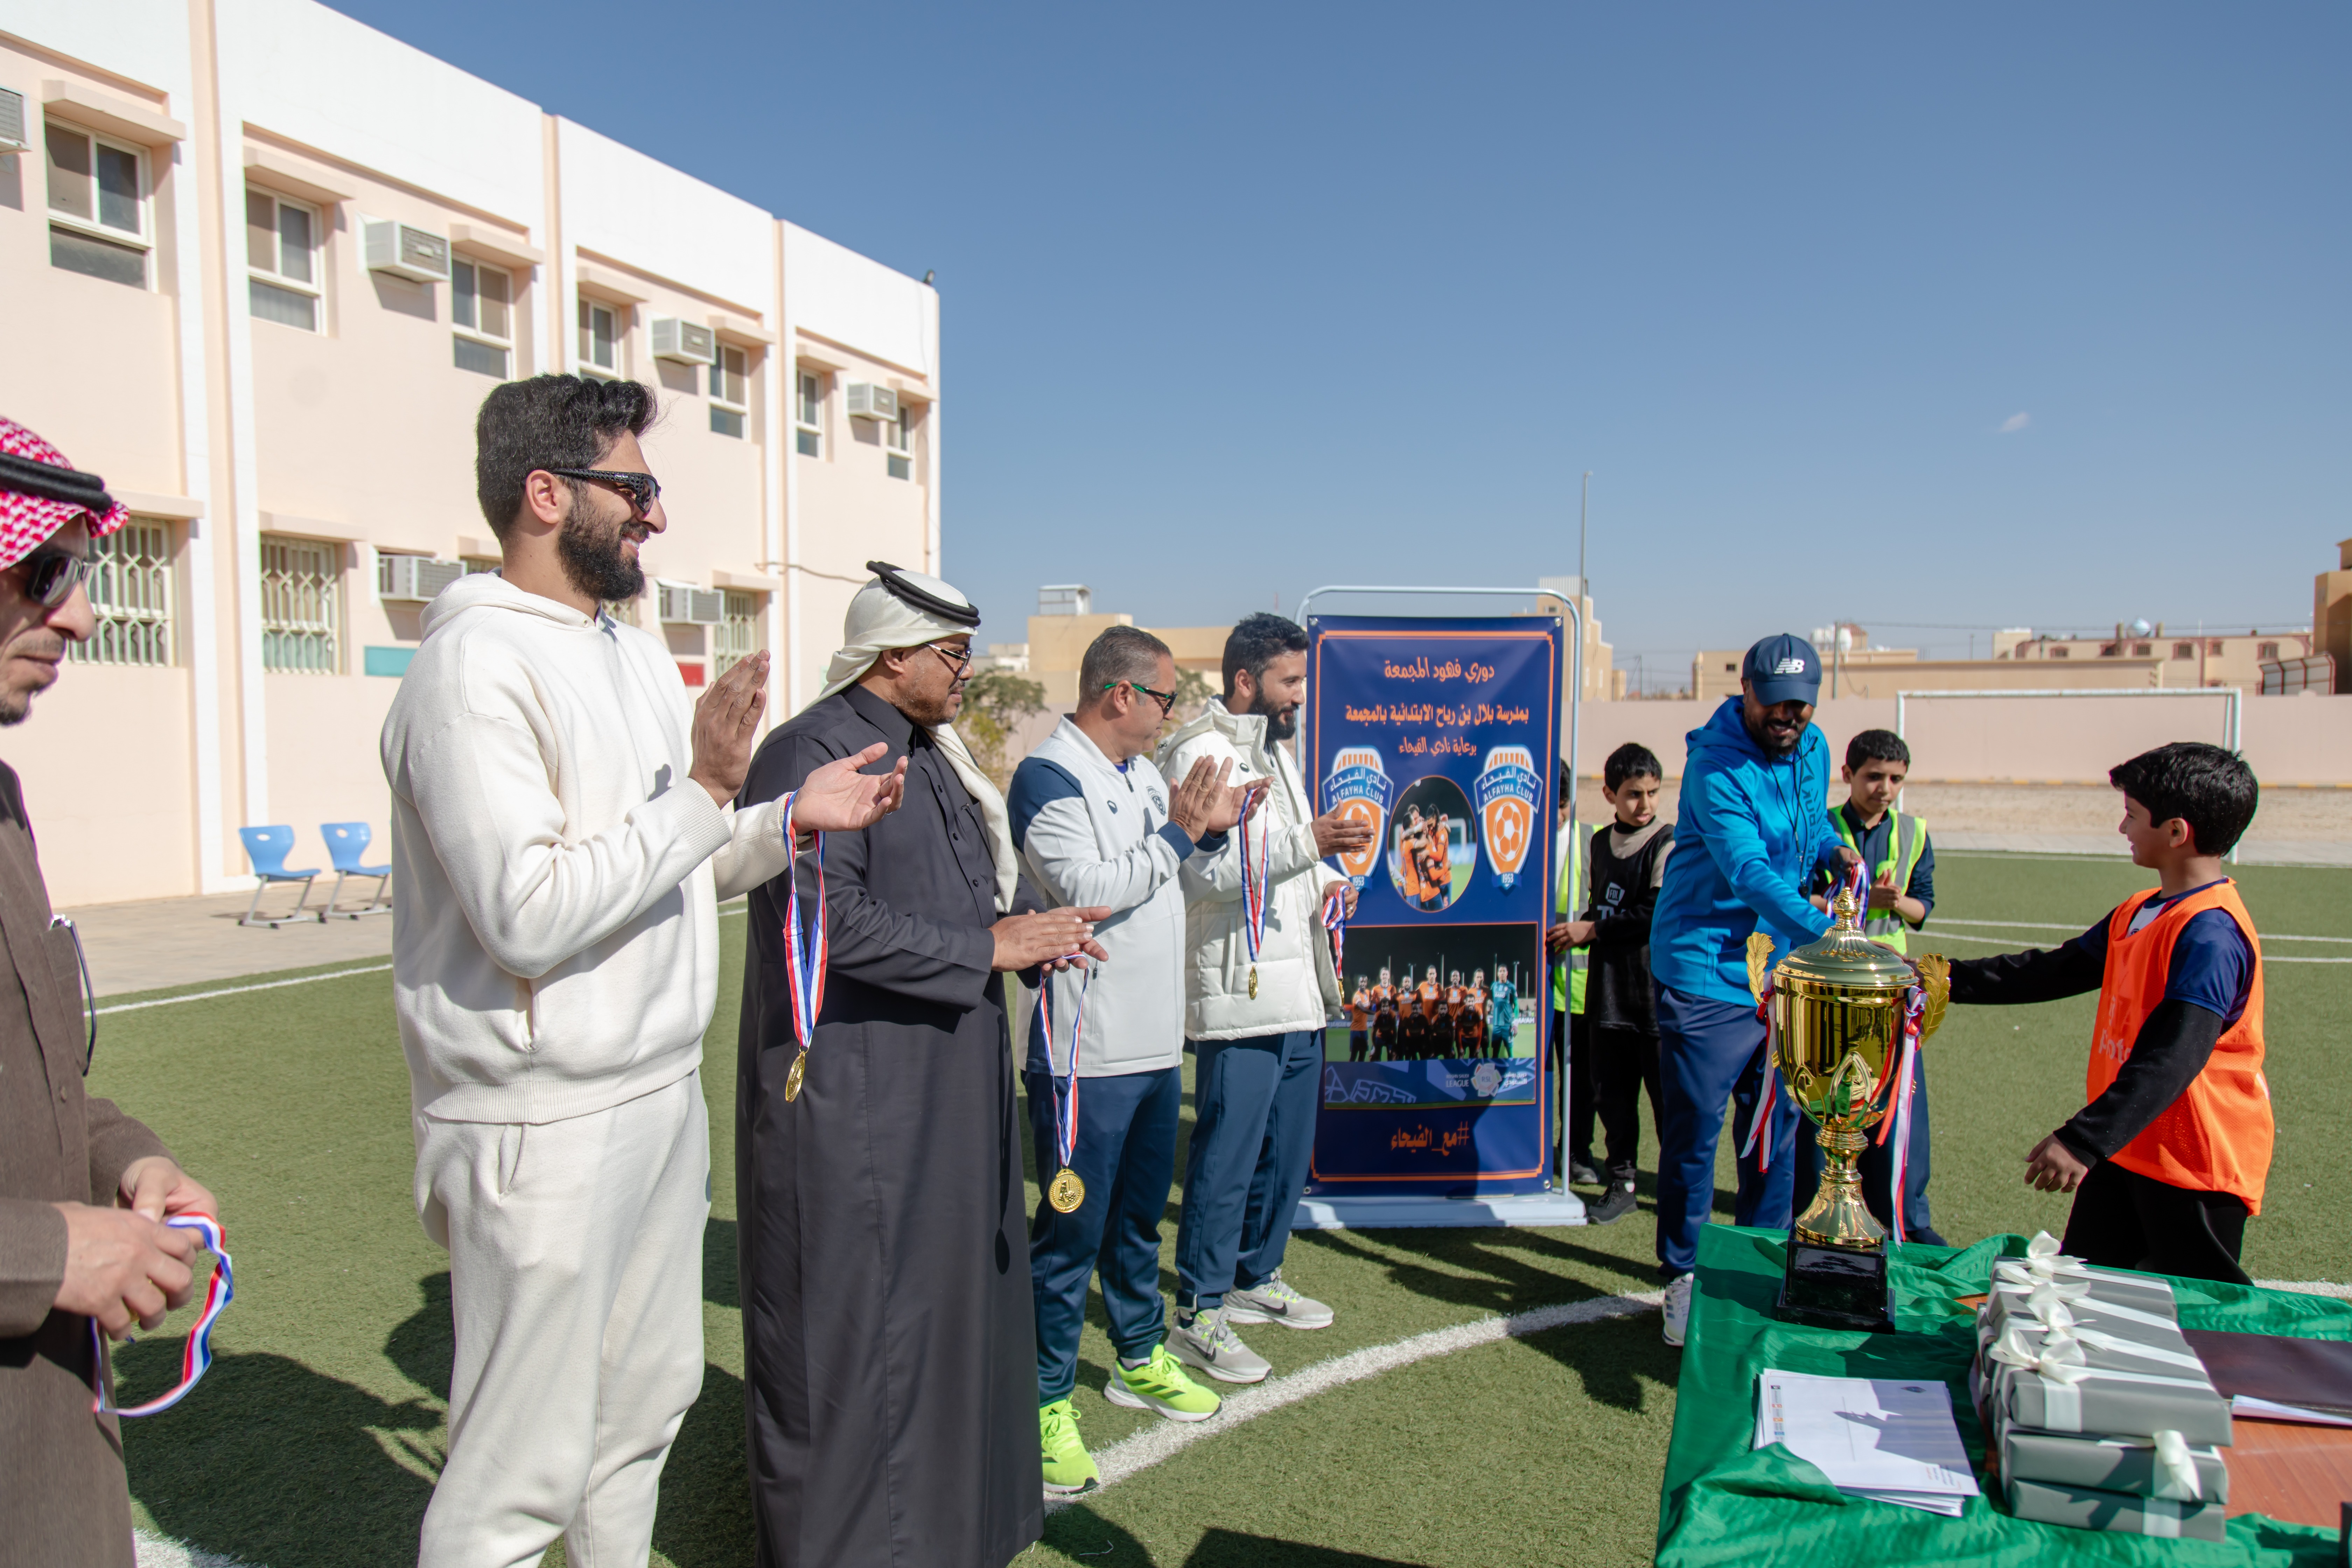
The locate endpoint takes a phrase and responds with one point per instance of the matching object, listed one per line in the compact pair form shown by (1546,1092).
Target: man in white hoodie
(1255,1022)
(562,830)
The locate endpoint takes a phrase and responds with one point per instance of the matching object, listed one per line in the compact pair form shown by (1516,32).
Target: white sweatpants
(575,1275)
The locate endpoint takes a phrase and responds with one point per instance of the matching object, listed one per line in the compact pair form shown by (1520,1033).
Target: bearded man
(890,1339)
(562,830)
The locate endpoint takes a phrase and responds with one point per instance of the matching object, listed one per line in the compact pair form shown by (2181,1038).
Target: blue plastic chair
(267,848)
(346,842)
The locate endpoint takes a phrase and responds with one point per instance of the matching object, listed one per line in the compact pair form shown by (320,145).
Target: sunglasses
(958,659)
(641,489)
(51,574)
(1167,699)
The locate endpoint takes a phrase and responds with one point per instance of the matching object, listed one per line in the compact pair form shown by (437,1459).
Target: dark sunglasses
(51,574)
(642,489)
(1167,699)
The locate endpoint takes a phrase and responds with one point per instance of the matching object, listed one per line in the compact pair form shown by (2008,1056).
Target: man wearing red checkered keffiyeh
(85,1189)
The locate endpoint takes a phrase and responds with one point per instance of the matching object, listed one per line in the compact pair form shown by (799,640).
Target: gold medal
(1066,1191)
(1253,982)
(792,1078)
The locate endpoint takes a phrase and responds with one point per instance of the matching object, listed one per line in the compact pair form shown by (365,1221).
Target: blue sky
(1959,316)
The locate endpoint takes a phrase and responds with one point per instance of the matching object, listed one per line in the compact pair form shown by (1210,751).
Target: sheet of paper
(1870,1436)
(2265,1410)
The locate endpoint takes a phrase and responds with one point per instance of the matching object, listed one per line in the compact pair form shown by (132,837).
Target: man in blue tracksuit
(1752,826)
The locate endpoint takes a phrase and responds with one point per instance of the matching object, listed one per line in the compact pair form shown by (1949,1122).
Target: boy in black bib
(1629,861)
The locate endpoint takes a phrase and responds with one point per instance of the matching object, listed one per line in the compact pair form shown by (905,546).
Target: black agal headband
(50,482)
(893,580)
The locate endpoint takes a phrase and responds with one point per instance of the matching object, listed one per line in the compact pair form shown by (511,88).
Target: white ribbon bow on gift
(2061,1325)
(2058,1362)
(2045,1299)
(2042,1260)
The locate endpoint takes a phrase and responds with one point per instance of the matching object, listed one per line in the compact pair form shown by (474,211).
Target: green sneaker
(1161,1385)
(1068,1467)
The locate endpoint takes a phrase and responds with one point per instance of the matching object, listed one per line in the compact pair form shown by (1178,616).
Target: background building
(263,264)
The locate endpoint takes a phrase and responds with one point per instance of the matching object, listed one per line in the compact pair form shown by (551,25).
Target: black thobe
(889,1338)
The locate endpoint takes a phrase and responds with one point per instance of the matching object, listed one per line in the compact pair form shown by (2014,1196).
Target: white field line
(1165,1439)
(2047,925)
(298,980)
(163,1551)
(2308,1288)
(1927,937)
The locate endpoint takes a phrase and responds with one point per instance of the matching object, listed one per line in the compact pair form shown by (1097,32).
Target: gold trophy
(1838,1006)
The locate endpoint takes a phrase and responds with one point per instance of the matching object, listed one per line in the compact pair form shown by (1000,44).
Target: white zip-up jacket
(556,876)
(1298,987)
(1094,835)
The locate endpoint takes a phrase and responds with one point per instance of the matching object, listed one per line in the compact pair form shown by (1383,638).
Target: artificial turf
(315,1438)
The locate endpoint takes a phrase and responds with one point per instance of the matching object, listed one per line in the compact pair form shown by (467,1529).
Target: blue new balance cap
(1783,669)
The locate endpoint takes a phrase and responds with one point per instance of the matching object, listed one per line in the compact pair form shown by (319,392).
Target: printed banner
(1442,734)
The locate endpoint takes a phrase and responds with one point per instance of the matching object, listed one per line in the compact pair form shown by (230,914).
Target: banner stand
(1465,1150)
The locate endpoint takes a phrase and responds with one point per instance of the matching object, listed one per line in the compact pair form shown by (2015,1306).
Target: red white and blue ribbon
(1254,879)
(1764,1101)
(1896,1123)
(1857,882)
(1066,1101)
(804,957)
(197,1355)
(1335,920)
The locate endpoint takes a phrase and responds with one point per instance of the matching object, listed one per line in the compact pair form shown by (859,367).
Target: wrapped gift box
(2129,1464)
(2142,1293)
(2086,1508)
(2121,1339)
(2105,1402)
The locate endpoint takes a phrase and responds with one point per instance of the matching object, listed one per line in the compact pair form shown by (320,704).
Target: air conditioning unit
(683,604)
(12,121)
(418,255)
(867,401)
(415,577)
(688,343)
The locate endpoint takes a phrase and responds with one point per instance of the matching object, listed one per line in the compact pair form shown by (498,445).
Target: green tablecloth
(1724,1504)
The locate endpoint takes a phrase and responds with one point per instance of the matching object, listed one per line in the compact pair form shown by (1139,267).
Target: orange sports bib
(2216,1137)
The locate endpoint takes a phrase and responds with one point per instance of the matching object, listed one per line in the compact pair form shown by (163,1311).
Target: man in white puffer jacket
(1254,1024)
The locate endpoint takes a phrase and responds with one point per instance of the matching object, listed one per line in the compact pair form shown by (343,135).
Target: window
(2141,650)
(281,251)
(481,306)
(476,564)
(730,391)
(2110,649)
(2184,650)
(2060,650)
(130,588)
(301,593)
(2266,650)
(2213,647)
(739,636)
(899,439)
(600,337)
(808,412)
(97,206)
(624,611)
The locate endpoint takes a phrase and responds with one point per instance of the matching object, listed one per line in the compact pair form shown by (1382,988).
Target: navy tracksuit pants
(1255,1100)
(1126,1156)
(1710,1051)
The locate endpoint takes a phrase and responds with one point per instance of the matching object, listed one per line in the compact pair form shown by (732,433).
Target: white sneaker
(1271,1302)
(1678,1295)
(1204,1340)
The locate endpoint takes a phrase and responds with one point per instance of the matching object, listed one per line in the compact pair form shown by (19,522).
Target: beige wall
(2331,615)
(360,434)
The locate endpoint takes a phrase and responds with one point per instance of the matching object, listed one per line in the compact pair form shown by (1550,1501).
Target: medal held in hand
(196,1355)
(1254,887)
(804,961)
(1066,1191)
(1335,920)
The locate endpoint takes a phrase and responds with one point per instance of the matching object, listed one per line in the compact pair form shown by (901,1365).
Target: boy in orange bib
(2168,1159)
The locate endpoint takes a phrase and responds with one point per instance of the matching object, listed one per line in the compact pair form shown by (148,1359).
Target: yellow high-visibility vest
(1567,901)
(1903,848)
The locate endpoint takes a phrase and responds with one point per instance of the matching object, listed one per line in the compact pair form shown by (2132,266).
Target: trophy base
(1832,1288)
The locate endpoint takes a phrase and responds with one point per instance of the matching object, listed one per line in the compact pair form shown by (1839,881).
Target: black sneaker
(1581,1174)
(1614,1204)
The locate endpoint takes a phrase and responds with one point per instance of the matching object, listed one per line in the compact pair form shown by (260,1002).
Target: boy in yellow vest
(1566,941)
(1902,864)
(2169,1158)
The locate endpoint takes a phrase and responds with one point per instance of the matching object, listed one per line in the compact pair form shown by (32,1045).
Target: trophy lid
(1844,958)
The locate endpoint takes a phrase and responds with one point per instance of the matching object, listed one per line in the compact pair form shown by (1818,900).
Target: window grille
(130,588)
(301,587)
(737,636)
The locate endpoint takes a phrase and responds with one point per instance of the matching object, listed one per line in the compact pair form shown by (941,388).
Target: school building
(263,263)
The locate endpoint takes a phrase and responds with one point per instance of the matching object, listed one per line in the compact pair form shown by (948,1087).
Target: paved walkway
(2255,852)
(156,942)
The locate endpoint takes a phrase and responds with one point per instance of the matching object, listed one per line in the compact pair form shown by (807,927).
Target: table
(1724,1504)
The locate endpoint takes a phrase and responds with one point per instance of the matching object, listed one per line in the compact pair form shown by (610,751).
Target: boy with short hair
(1359,1020)
(1629,863)
(2168,1158)
(1901,862)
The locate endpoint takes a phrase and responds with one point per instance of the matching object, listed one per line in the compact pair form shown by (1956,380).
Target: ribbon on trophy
(1066,1191)
(804,957)
(196,1355)
(1759,983)
(1335,920)
(1898,1122)
(1254,881)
